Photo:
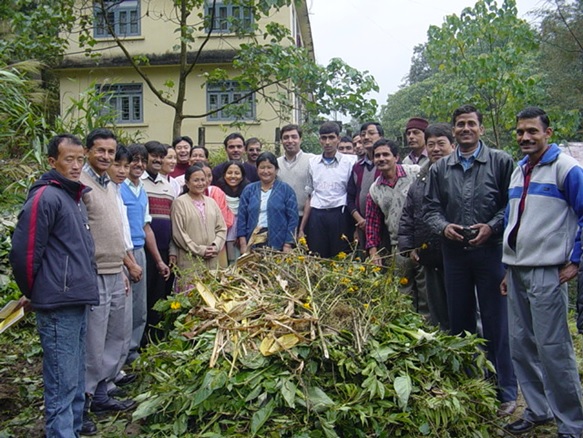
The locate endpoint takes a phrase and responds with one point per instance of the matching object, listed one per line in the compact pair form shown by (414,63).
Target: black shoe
(523,426)
(112,405)
(117,392)
(126,380)
(88,428)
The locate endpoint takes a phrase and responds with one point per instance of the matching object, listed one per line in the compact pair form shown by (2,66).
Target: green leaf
(403,389)
(288,391)
(319,400)
(261,416)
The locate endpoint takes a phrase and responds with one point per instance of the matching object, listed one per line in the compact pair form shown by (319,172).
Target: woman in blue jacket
(269,204)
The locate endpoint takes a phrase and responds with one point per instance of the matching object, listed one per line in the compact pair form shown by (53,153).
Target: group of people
(479,244)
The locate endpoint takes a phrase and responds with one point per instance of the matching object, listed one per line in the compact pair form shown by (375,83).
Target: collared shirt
(467,162)
(102,180)
(327,181)
(136,190)
(123,211)
(374,214)
(418,159)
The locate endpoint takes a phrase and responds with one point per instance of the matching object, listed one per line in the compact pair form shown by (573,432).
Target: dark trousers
(157,289)
(327,231)
(480,270)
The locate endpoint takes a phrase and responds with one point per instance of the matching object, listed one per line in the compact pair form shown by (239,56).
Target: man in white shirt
(325,220)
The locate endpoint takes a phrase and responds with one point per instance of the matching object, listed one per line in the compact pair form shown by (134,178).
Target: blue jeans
(62,335)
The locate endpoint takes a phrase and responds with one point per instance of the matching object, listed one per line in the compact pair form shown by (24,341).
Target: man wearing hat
(415,136)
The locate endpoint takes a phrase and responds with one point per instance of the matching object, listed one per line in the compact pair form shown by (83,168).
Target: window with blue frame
(232,100)
(125,100)
(229,17)
(122,15)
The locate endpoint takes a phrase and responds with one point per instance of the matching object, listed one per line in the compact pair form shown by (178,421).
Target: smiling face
(235,149)
(533,137)
(253,152)
(119,171)
(209,175)
(69,161)
(467,131)
(169,162)
(438,147)
(154,163)
(346,148)
(197,156)
(291,141)
(384,159)
(182,151)
(267,172)
(101,154)
(197,183)
(233,176)
(357,145)
(137,167)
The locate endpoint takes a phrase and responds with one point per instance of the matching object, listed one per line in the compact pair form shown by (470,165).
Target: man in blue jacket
(52,258)
(542,250)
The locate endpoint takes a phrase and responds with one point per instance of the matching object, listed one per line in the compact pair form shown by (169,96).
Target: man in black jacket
(465,200)
(52,258)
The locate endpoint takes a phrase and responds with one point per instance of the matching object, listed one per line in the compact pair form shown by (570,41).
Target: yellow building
(150,28)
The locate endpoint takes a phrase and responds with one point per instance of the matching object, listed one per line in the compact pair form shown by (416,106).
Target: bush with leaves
(296,346)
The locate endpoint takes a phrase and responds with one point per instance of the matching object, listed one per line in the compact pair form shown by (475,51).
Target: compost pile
(295,346)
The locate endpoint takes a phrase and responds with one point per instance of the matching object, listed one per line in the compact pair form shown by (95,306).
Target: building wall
(158,37)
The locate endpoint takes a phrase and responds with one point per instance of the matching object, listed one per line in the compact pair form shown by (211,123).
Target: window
(125,100)
(228,17)
(220,94)
(122,15)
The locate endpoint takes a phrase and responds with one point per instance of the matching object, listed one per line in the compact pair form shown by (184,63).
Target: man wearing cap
(415,137)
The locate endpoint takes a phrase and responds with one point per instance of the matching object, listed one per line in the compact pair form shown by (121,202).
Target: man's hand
(453,232)
(414,256)
(25,304)
(172,260)
(484,233)
(504,285)
(127,285)
(210,252)
(163,269)
(135,271)
(568,272)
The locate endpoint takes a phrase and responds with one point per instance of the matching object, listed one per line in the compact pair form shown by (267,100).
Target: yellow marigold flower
(302,241)
(345,281)
(362,268)
(424,246)
(365,305)
(307,306)
(404,281)
(341,255)
(376,269)
(175,305)
(301,258)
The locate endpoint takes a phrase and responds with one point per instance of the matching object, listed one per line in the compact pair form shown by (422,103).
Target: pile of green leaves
(358,363)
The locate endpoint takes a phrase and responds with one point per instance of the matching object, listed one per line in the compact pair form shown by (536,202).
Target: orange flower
(404,281)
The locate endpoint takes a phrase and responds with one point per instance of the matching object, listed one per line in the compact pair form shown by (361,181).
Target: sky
(379,35)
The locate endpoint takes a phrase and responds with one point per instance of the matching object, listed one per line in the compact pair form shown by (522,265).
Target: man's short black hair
(466,109)
(252,140)
(99,134)
(290,127)
(533,112)
(122,153)
(53,146)
(205,150)
(439,130)
(138,150)
(156,148)
(233,136)
(386,142)
(329,128)
(377,125)
(185,138)
(345,139)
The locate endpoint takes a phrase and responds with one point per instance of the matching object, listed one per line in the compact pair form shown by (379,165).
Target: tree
(269,63)
(484,56)
(561,58)
(420,68)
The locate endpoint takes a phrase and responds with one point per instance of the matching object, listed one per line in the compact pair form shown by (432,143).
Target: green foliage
(320,349)
(485,56)
(561,61)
